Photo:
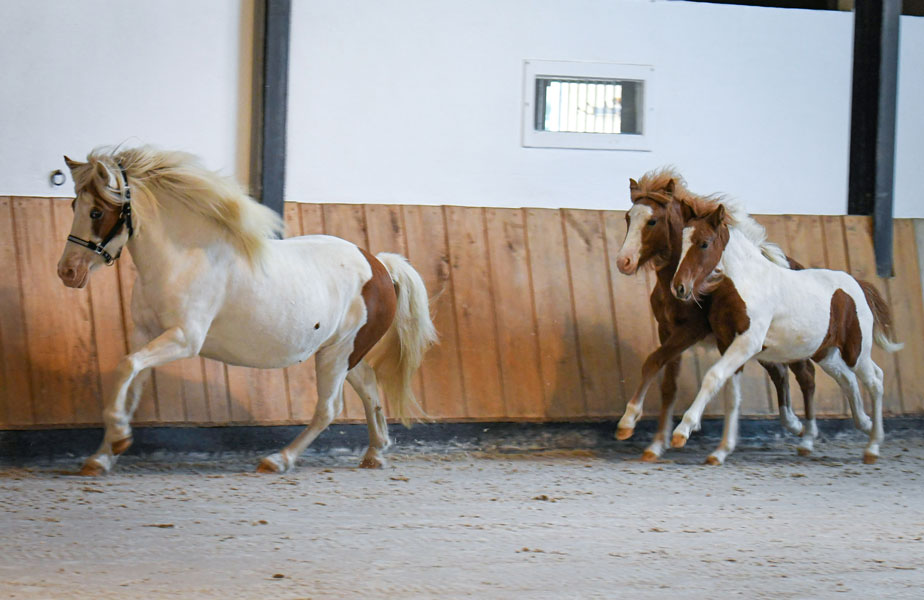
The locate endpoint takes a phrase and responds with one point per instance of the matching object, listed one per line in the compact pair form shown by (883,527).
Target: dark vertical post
(872,121)
(271,60)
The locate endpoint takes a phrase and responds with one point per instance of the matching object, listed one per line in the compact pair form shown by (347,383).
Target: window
(599,106)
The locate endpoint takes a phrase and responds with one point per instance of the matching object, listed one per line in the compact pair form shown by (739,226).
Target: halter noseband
(125,218)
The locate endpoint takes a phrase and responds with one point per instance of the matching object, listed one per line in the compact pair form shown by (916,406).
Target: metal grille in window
(588,105)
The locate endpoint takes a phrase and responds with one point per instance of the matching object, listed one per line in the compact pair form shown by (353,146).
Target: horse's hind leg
(780,379)
(871,375)
(805,376)
(362,379)
(835,366)
(666,417)
(331,365)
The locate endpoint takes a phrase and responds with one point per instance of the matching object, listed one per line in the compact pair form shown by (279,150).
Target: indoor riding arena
(403,299)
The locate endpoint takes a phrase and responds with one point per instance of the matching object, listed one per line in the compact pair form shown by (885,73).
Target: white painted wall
(81,74)
(415,101)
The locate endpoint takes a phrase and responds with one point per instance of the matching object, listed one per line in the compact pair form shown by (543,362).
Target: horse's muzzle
(73,277)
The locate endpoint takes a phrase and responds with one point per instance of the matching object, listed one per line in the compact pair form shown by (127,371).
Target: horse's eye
(95,213)
(704,245)
(652,222)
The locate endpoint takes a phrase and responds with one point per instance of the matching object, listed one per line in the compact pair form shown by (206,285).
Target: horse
(213,281)
(653,238)
(760,309)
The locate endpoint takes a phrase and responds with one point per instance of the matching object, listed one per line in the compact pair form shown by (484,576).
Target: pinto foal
(653,236)
(759,309)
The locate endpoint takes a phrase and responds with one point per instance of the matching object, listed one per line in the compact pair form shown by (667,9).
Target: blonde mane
(653,183)
(159,177)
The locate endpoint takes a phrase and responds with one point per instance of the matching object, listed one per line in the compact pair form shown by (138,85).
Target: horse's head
(704,240)
(648,226)
(102,220)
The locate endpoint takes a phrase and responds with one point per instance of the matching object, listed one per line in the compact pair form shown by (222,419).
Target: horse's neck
(742,259)
(670,257)
(169,237)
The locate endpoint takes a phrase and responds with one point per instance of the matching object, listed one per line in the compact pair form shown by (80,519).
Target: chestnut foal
(653,236)
(761,310)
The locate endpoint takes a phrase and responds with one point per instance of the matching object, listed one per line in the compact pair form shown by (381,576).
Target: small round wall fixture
(57,178)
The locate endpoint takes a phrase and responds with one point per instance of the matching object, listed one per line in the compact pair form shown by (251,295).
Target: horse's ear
(633,185)
(71,163)
(669,188)
(103,173)
(686,212)
(717,217)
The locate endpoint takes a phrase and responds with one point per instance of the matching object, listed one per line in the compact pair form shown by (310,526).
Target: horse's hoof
(650,456)
(802,451)
(122,445)
(268,466)
(678,440)
(869,459)
(91,469)
(624,433)
(372,462)
(713,460)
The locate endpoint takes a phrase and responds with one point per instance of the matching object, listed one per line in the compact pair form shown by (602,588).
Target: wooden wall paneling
(634,319)
(509,257)
(806,237)
(257,395)
(147,407)
(441,372)
(858,233)
(216,391)
(57,319)
(908,316)
(562,388)
(593,304)
(348,221)
(16,392)
(475,318)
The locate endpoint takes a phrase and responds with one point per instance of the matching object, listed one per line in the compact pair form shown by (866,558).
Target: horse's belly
(790,340)
(248,347)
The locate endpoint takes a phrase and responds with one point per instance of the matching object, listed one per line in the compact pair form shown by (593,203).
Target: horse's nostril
(680,290)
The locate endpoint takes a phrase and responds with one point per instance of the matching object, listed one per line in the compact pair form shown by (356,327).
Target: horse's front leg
(739,352)
(730,432)
(678,341)
(666,417)
(173,344)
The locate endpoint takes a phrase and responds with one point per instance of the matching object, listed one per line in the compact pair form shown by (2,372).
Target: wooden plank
(441,372)
(147,408)
(634,319)
(858,233)
(597,337)
(301,379)
(475,317)
(57,321)
(562,389)
(509,257)
(257,395)
(908,316)
(835,246)
(216,391)
(348,221)
(16,391)
(806,237)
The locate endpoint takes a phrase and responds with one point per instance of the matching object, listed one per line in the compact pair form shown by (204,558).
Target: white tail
(399,354)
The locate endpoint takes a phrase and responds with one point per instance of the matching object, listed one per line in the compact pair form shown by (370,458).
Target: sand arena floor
(451,523)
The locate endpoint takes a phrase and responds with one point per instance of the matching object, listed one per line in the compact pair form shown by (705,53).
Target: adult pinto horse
(213,282)
(653,237)
(762,310)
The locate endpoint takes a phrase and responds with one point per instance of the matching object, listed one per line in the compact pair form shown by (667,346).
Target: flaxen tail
(402,348)
(882,318)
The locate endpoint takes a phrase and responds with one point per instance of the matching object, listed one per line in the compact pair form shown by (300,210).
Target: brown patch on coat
(728,314)
(103,225)
(843,330)
(381,304)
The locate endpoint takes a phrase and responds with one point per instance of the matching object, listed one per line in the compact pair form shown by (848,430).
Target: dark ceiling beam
(272,20)
(872,121)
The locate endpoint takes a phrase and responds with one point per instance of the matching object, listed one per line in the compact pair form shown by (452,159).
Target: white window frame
(538,69)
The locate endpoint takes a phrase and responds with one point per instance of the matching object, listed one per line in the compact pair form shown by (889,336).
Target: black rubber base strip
(49,444)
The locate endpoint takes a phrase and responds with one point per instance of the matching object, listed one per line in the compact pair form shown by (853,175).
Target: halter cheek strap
(125,219)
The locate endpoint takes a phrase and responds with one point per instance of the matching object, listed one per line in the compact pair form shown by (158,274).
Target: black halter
(125,218)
